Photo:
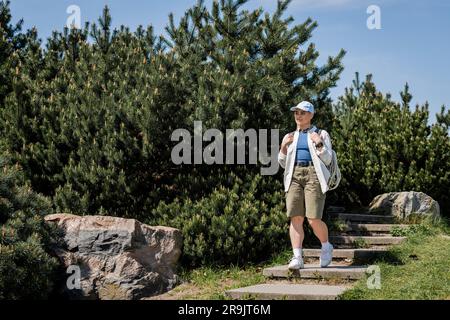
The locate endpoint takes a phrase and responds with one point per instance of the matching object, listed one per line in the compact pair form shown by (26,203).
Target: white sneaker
(296,263)
(326,256)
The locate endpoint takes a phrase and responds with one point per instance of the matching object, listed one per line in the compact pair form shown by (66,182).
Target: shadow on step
(384,256)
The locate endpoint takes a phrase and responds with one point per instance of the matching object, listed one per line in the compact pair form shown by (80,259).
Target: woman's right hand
(286,142)
(289,139)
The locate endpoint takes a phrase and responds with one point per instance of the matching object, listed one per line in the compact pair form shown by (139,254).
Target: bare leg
(296,231)
(320,229)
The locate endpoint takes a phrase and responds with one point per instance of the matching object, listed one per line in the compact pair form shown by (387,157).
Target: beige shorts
(305,197)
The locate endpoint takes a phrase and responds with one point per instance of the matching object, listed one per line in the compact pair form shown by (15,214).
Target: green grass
(360,243)
(229,278)
(410,230)
(337,225)
(210,283)
(416,269)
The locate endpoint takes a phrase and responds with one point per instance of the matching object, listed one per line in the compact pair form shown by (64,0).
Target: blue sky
(412,45)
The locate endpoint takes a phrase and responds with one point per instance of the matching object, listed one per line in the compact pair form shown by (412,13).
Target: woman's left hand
(316,138)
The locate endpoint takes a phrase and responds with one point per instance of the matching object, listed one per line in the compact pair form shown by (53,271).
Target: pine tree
(12,41)
(244,69)
(384,146)
(27,270)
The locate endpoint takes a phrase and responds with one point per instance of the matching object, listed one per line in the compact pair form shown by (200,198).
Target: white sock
(325,244)
(297,252)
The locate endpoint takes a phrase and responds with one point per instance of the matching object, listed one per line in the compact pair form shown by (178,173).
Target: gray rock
(118,258)
(405,204)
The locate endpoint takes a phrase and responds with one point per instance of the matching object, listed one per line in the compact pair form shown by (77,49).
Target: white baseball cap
(304,105)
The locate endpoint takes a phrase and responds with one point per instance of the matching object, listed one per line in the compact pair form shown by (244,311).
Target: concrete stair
(369,230)
(364,218)
(374,227)
(287,292)
(369,240)
(314,271)
(354,253)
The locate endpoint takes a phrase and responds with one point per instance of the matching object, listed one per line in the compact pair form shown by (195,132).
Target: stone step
(363,217)
(371,229)
(375,227)
(287,292)
(314,271)
(360,233)
(369,240)
(368,229)
(363,254)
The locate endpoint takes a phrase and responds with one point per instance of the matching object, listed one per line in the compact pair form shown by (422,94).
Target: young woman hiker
(304,154)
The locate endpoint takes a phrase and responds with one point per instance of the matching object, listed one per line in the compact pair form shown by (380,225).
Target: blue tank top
(303,153)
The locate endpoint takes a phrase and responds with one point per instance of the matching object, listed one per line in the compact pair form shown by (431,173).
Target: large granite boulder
(405,204)
(116,258)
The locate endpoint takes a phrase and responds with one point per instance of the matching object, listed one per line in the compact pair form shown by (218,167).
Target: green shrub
(26,269)
(246,222)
